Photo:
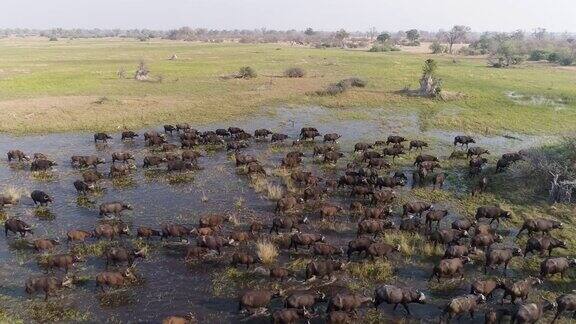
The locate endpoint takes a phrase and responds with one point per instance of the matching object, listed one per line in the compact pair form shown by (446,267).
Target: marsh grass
(44,213)
(96,248)
(229,281)
(55,312)
(267,252)
(117,298)
(367,274)
(15,194)
(46,176)
(124,182)
(180,178)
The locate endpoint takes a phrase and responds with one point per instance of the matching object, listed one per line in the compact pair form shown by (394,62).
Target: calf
(553,266)
(450,268)
(541,225)
(113,278)
(398,296)
(464,304)
(520,289)
(499,256)
(48,284)
(15,225)
(543,244)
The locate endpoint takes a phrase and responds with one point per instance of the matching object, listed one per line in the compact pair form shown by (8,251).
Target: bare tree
(341,35)
(142,72)
(539,33)
(372,32)
(455,35)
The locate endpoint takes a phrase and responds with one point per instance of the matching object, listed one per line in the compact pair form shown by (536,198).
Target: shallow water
(171,287)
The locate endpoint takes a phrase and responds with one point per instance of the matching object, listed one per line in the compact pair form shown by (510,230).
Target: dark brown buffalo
(213,220)
(42,165)
(147,232)
(552,266)
(113,278)
(254,299)
(449,268)
(381,250)
(287,203)
(175,230)
(309,135)
(180,165)
(374,226)
(485,240)
(543,244)
(566,303)
(416,207)
(425,158)
(83,187)
(480,187)
(386,196)
(236,145)
(194,252)
(347,302)
(394,139)
(115,208)
(153,161)
(122,156)
(17,155)
(351,180)
(40,197)
(91,176)
(279,273)
(394,152)
(323,268)
(463,140)
(377,212)
(47,284)
(129,135)
(540,225)
(520,289)
(476,151)
(169,129)
(330,211)
(389,182)
(456,251)
(332,157)
(398,296)
(101,137)
(118,171)
(326,249)
(417,144)
(255,168)
(463,224)
(289,316)
(242,258)
(303,299)
(531,313)
(214,243)
(291,162)
(447,236)
(305,239)
(500,256)
(435,216)
(494,213)
(86,161)
(362,147)
(240,237)
(276,137)
(339,317)
(289,223)
(59,261)
(410,224)
(15,225)
(321,150)
(331,137)
(359,245)
(366,156)
(116,255)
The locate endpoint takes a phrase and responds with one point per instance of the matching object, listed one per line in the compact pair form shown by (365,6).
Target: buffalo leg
(406,308)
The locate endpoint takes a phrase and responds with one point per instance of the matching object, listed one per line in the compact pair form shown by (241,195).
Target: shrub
(554,57)
(383,48)
(567,60)
(246,72)
(352,82)
(538,55)
(267,252)
(342,86)
(437,48)
(294,72)
(53,39)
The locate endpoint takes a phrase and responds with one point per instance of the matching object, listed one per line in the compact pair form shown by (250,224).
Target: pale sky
(353,15)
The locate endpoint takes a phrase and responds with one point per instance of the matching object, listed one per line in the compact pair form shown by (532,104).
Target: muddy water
(170,287)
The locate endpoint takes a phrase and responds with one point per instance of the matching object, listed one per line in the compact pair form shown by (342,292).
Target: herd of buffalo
(370,184)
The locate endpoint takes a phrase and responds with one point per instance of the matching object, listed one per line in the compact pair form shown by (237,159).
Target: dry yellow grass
(267,252)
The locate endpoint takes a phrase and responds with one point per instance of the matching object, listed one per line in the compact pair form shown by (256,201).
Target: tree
(341,35)
(309,31)
(539,33)
(383,38)
(456,34)
(430,84)
(413,35)
(372,33)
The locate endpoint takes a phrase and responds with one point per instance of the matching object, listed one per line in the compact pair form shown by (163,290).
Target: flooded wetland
(208,287)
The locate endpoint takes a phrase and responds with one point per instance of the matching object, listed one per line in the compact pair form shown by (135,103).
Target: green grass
(56,86)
